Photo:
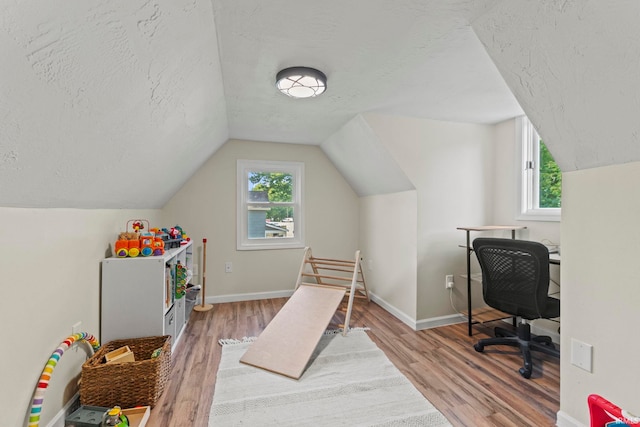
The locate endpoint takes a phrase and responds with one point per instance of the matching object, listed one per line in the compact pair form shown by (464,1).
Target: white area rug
(349,382)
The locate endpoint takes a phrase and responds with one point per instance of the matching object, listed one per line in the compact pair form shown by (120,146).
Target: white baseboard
(248,297)
(565,420)
(401,316)
(419,325)
(432,322)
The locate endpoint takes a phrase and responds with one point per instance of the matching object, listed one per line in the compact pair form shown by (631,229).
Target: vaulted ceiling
(116,104)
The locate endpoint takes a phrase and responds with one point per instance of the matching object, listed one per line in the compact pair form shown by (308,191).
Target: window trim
(243,243)
(529,151)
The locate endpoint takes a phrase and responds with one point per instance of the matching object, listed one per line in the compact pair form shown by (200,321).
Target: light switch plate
(582,355)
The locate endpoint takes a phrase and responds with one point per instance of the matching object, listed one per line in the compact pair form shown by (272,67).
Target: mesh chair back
(515,275)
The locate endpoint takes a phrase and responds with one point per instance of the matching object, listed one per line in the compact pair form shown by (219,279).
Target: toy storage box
(91,416)
(86,416)
(130,384)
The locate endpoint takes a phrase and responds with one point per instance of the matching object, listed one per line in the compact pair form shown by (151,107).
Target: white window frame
(528,173)
(296,169)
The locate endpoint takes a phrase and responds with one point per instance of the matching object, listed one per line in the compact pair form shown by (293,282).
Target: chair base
(525,341)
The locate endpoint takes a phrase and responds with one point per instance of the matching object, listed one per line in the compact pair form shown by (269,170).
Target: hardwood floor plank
(469,388)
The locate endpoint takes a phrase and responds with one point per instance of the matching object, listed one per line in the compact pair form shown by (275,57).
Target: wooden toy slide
(287,343)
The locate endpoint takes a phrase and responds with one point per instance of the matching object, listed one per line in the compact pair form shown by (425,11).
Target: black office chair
(515,280)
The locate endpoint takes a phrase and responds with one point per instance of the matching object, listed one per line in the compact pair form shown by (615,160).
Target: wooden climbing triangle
(287,343)
(335,273)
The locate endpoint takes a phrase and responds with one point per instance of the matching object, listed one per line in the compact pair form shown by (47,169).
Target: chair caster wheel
(526,373)
(478,347)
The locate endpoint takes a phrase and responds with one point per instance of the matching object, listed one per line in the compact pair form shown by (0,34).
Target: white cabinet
(138,296)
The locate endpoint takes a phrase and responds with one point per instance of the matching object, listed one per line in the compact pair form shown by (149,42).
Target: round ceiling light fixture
(301,82)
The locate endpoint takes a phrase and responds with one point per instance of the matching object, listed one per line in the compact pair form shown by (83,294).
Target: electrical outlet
(228,267)
(448,281)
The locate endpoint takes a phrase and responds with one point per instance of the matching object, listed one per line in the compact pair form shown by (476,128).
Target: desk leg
(469,320)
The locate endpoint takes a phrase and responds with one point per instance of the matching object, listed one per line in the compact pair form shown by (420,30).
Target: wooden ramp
(288,341)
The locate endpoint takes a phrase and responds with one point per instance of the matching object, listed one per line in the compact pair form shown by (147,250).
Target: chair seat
(552,310)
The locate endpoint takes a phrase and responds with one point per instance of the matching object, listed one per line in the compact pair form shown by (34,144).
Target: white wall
(450,165)
(50,262)
(600,286)
(206,207)
(388,240)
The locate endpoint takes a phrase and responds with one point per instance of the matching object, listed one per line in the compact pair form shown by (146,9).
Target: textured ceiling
(116,104)
(412,58)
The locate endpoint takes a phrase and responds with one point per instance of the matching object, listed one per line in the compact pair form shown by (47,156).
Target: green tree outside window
(279,187)
(550,179)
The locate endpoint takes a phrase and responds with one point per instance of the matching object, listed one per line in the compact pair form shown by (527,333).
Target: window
(270,208)
(540,176)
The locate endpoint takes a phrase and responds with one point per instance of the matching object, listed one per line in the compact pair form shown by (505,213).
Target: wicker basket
(130,384)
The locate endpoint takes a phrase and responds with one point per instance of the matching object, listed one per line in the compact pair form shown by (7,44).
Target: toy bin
(86,416)
(605,414)
(131,384)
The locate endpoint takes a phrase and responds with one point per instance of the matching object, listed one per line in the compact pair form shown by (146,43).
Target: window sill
(269,246)
(540,215)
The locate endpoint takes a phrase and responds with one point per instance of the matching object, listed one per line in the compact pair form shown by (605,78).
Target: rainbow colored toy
(43,382)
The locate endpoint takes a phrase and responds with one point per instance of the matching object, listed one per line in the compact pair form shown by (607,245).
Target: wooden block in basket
(138,383)
(121,355)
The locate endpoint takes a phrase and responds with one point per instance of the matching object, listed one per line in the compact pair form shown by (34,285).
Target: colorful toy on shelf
(153,242)
(181,280)
(123,245)
(175,232)
(134,248)
(146,244)
(115,417)
(122,248)
(158,246)
(137,225)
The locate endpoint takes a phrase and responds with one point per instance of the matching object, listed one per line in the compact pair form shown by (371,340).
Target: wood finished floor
(469,388)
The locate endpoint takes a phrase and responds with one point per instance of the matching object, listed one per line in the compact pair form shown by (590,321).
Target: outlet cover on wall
(582,355)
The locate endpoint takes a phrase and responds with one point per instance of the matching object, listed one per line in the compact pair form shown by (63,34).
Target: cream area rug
(348,382)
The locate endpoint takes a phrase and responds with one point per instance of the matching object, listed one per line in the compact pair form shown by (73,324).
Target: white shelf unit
(138,296)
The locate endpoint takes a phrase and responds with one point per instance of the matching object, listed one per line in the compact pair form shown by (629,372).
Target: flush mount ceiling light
(301,82)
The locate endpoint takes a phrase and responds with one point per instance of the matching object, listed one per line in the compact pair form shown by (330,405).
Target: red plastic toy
(604,413)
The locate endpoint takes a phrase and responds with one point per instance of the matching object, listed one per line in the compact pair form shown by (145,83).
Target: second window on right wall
(540,178)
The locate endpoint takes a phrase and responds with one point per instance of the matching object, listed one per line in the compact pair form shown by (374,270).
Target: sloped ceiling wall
(568,63)
(363,160)
(101,100)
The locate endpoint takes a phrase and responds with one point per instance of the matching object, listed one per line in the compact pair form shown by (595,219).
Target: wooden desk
(484,314)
